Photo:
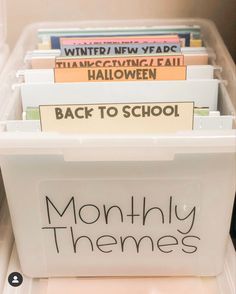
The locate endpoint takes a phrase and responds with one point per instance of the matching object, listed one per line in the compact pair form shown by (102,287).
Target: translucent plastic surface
(179,175)
(222,284)
(6,242)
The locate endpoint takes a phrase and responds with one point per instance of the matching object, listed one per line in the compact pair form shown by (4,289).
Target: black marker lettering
(137,243)
(101,245)
(71,202)
(75,241)
(55,235)
(194,248)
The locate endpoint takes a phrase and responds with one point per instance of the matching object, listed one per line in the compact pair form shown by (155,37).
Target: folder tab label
(116,74)
(120,40)
(138,61)
(122,49)
(117,118)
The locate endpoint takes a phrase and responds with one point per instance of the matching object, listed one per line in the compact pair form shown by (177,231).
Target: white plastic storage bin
(225,283)
(6,242)
(138,205)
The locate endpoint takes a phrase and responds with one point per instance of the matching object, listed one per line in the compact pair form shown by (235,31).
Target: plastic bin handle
(118,154)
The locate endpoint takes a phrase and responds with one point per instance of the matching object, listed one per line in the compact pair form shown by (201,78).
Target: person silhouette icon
(15,279)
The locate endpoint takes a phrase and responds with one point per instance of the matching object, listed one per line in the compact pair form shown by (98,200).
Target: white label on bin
(102,218)
(117,118)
